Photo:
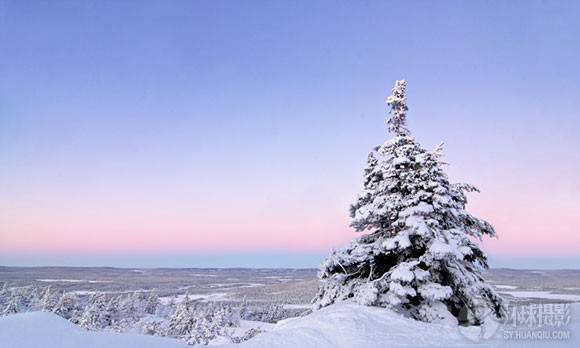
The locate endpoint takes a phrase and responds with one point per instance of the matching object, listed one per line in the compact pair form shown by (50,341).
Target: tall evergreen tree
(418,257)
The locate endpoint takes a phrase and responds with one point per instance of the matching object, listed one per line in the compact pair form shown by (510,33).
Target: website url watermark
(536,335)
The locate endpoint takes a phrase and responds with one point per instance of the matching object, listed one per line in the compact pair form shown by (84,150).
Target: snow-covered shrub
(419,251)
(249,334)
(151,327)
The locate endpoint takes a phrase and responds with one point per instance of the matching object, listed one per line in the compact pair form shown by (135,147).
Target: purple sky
(242,127)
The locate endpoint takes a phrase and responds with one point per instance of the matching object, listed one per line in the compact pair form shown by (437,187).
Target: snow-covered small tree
(34,295)
(3,296)
(273,313)
(221,314)
(18,301)
(172,301)
(13,304)
(211,323)
(129,307)
(151,302)
(243,310)
(166,308)
(182,320)
(201,323)
(95,316)
(48,299)
(202,332)
(118,321)
(418,257)
(68,306)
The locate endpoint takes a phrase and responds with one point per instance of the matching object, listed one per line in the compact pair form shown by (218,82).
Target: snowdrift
(47,330)
(351,325)
(340,325)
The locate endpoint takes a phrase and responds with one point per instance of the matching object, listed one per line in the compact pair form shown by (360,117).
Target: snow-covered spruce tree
(95,316)
(13,304)
(151,302)
(68,306)
(3,296)
(17,302)
(34,296)
(48,299)
(418,257)
(182,320)
(129,307)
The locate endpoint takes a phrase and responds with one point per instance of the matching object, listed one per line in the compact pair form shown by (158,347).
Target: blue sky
(242,126)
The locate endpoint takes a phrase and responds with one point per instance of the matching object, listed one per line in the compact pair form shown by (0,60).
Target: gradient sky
(179,131)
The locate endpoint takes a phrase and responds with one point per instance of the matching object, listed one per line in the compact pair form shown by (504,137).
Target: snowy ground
(350,325)
(342,325)
(47,330)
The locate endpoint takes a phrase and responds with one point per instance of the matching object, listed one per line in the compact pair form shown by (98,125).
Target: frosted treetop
(398,103)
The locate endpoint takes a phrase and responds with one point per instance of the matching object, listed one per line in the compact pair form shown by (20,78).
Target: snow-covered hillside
(340,325)
(351,325)
(47,330)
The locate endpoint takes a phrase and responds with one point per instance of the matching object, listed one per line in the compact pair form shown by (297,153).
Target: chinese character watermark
(539,315)
(536,321)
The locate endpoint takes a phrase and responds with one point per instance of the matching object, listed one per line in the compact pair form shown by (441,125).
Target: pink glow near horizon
(303,217)
(528,227)
(295,222)
(524,230)
(110,231)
